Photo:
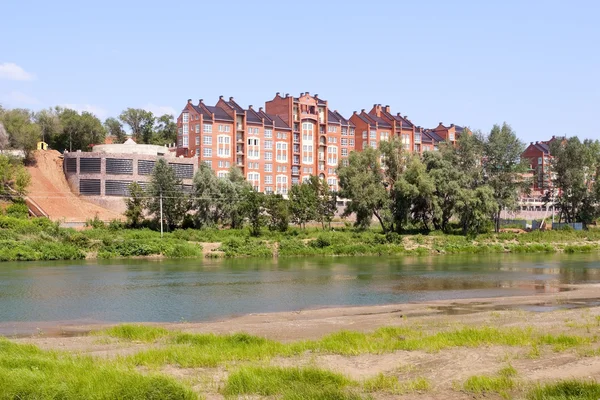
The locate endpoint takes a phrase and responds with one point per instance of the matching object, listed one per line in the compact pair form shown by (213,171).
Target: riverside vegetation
(29,373)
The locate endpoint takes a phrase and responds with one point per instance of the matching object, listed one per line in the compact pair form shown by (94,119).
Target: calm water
(194,290)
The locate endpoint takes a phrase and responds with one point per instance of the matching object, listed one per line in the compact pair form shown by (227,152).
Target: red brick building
(293,138)
(539,157)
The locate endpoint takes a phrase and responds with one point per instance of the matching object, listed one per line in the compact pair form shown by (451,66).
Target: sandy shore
(572,310)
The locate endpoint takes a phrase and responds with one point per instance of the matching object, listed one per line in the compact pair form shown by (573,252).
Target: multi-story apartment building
(293,138)
(283,144)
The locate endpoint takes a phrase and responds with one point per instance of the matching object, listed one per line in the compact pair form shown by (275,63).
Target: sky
(533,64)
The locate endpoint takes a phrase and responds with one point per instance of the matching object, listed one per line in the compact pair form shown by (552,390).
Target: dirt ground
(571,310)
(50,190)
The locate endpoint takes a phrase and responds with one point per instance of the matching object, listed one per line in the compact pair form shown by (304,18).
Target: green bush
(17,210)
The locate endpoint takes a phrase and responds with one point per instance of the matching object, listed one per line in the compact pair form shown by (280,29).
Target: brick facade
(293,138)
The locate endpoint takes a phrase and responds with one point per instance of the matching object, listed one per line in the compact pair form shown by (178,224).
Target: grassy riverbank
(23,239)
(510,354)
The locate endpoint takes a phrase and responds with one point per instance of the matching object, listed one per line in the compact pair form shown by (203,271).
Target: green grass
(141,333)
(391,384)
(29,373)
(566,390)
(502,383)
(209,350)
(289,383)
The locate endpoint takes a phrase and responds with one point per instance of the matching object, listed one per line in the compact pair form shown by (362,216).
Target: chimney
(362,110)
(221,97)
(537,142)
(260,109)
(353,112)
(451,125)
(277,94)
(307,93)
(250,107)
(387,109)
(189,101)
(231,99)
(398,114)
(530,143)
(287,95)
(441,123)
(316,95)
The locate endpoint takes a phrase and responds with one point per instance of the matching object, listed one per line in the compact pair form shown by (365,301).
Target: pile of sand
(50,190)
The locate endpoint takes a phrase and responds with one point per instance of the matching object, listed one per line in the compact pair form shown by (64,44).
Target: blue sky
(534,64)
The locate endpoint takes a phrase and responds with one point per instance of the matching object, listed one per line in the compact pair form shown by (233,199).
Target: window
(344,152)
(345,162)
(268,133)
(180,131)
(207,152)
(539,160)
(373,135)
(268,179)
(281,186)
(268,156)
(281,152)
(197,152)
(307,154)
(254,179)
(253,148)
(268,144)
(281,135)
(364,134)
(197,140)
(332,139)
(207,128)
(384,136)
(307,131)
(351,142)
(344,131)
(207,140)
(209,163)
(185,141)
(281,168)
(332,182)
(224,128)
(450,136)
(186,129)
(406,141)
(331,171)
(222,174)
(417,137)
(352,131)
(197,128)
(344,142)
(268,167)
(373,144)
(332,155)
(332,129)
(223,145)
(186,118)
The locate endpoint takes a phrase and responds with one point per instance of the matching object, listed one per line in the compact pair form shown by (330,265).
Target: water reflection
(166,290)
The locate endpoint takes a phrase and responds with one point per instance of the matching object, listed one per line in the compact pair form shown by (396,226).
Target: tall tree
(135,204)
(115,129)
(363,182)
(575,168)
(141,123)
(504,168)
(303,203)
(166,130)
(205,191)
(79,131)
(3,137)
(49,123)
(278,212)
(253,205)
(23,132)
(166,186)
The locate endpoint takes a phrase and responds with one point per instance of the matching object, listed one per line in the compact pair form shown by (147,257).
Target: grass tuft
(289,383)
(391,384)
(571,389)
(140,333)
(501,384)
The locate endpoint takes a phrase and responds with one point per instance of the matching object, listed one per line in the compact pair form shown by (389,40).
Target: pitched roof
(380,121)
(220,114)
(235,106)
(332,118)
(366,120)
(267,119)
(543,147)
(279,123)
(343,120)
(253,117)
(200,110)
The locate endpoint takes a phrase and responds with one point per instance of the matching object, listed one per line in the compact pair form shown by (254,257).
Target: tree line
(66,129)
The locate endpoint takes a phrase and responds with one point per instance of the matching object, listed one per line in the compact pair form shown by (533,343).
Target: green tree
(205,193)
(141,123)
(575,168)
(229,203)
(3,136)
(363,182)
(474,207)
(164,184)
(278,212)
(504,169)
(135,203)
(13,176)
(253,205)
(49,122)
(79,131)
(115,129)
(303,203)
(21,179)
(166,130)
(23,132)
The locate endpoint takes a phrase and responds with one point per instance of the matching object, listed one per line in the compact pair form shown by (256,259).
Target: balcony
(295,171)
(321,156)
(239,139)
(240,127)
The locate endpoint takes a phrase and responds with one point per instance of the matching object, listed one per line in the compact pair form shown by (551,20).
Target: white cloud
(159,111)
(97,111)
(13,72)
(16,98)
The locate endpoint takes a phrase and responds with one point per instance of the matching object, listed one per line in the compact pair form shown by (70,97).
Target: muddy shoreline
(315,323)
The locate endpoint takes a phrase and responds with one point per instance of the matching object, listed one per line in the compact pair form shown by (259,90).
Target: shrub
(18,210)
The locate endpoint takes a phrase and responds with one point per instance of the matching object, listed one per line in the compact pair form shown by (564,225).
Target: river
(196,290)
